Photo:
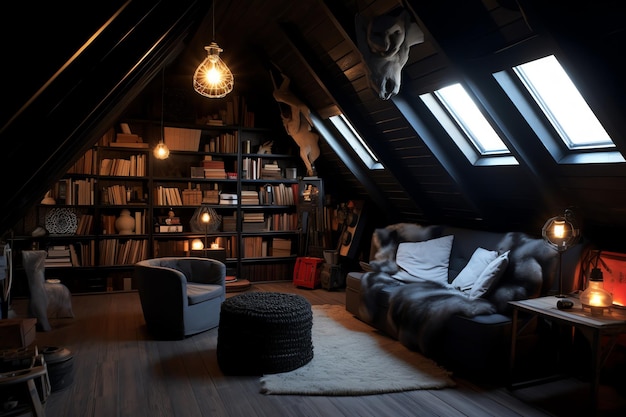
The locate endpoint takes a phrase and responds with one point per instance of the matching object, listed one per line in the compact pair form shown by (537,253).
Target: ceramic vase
(125,224)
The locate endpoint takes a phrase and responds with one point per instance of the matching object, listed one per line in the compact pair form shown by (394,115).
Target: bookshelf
(216,166)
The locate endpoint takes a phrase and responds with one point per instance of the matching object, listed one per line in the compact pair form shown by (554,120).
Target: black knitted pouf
(264,333)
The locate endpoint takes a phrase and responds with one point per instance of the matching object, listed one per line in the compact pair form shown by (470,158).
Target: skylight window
(563,105)
(467,126)
(343,125)
(470,119)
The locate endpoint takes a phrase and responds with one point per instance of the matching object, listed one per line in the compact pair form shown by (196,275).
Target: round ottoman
(264,333)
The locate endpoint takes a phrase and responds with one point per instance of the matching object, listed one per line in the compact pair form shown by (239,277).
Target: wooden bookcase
(150,189)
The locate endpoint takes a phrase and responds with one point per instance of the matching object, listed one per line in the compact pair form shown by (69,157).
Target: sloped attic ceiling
(427,179)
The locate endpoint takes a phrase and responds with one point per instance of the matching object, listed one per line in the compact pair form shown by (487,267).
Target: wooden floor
(120,371)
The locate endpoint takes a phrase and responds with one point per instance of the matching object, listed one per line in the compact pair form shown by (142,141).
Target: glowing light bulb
(212,78)
(161,151)
(205,218)
(559,229)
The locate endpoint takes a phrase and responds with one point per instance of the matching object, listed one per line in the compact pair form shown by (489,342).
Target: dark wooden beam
(86,95)
(361,122)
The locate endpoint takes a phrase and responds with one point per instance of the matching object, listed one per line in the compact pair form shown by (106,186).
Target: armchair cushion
(198,293)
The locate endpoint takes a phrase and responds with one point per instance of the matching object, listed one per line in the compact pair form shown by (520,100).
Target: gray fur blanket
(418,311)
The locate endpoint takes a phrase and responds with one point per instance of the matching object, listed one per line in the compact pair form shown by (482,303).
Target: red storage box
(307,272)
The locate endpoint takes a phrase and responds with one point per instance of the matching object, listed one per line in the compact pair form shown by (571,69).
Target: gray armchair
(180,296)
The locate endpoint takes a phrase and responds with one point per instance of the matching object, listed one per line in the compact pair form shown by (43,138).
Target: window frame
(467,142)
(546,130)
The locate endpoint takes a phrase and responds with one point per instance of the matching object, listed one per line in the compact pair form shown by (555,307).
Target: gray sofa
(180,296)
(469,336)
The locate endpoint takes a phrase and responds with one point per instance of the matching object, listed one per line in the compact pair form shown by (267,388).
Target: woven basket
(263,333)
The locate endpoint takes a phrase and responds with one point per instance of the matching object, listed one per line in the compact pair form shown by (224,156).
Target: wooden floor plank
(119,371)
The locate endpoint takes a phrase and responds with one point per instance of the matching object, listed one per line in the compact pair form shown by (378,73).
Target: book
(58,253)
(170,228)
(58,264)
(138,145)
(58,260)
(127,138)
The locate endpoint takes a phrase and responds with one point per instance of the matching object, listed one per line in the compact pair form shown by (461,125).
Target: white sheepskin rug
(352,358)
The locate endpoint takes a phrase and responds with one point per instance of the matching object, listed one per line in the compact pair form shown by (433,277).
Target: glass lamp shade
(212,78)
(197,244)
(161,151)
(595,298)
(560,232)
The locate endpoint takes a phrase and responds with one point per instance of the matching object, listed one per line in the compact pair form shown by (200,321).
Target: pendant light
(161,151)
(212,78)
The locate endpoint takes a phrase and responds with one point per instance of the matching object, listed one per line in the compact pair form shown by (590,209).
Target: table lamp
(561,233)
(595,298)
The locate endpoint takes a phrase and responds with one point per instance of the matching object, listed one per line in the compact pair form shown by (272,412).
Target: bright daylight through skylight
(562,104)
(469,117)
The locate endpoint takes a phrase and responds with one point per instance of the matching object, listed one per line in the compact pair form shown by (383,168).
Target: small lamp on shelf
(561,233)
(205,219)
(197,244)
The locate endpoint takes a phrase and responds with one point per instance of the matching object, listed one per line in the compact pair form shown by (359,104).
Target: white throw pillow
(476,265)
(424,261)
(489,276)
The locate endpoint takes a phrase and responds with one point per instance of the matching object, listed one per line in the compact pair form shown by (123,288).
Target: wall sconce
(561,233)
(212,78)
(161,151)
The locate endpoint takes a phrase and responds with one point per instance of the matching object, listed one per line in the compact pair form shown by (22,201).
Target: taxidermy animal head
(384,42)
(297,122)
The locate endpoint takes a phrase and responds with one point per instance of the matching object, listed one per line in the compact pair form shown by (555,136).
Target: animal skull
(384,43)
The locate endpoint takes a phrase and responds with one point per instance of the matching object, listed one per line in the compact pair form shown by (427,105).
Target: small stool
(264,333)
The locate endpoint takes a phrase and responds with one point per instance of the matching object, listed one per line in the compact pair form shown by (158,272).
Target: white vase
(125,224)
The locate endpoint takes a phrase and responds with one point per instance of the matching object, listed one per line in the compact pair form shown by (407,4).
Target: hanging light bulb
(212,78)
(161,151)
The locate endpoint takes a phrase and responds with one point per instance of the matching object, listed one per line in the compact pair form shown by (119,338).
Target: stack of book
(281,247)
(249,197)
(58,256)
(128,140)
(228,199)
(271,171)
(213,169)
(253,222)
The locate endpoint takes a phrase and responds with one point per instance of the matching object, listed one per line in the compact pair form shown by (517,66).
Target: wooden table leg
(513,347)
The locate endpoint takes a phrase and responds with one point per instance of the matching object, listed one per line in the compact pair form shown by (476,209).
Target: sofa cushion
(385,243)
(490,276)
(476,265)
(424,261)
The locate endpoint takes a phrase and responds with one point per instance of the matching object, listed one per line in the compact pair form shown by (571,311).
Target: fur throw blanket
(418,311)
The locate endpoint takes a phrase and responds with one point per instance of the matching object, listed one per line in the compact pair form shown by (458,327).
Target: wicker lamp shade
(198,226)
(212,78)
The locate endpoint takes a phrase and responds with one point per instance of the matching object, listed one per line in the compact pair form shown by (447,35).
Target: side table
(592,327)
